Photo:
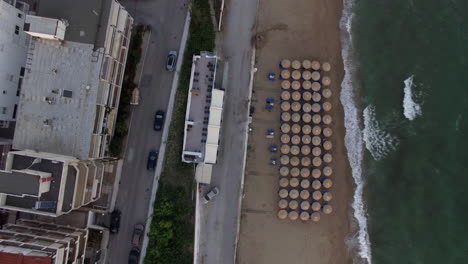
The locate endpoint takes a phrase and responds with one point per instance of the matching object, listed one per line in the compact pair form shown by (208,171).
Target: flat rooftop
(57,108)
(87,19)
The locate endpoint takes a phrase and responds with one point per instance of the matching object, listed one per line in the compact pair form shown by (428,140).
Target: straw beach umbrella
(316,97)
(316,173)
(317,161)
(306,96)
(327,93)
(296,117)
(296,85)
(326,81)
(283,182)
(327,132)
(285,138)
(285,74)
(282,214)
(327,171)
(306,139)
(315,76)
(307,85)
(316,119)
(295,150)
(316,151)
(327,119)
(305,184)
(316,195)
(305,161)
(304,194)
(293,215)
(294,161)
(283,203)
(296,139)
(296,129)
(305,172)
(327,158)
(305,150)
(293,194)
(296,106)
(327,209)
(304,216)
(306,107)
(316,184)
(285,149)
(316,206)
(283,193)
(327,196)
(296,96)
(296,64)
(306,129)
(294,182)
(296,75)
(305,205)
(295,172)
(284,171)
(285,106)
(306,64)
(316,86)
(316,108)
(315,65)
(327,145)
(285,95)
(284,160)
(326,66)
(285,63)
(316,141)
(285,116)
(327,106)
(306,75)
(315,217)
(306,118)
(285,84)
(285,128)
(327,183)
(316,130)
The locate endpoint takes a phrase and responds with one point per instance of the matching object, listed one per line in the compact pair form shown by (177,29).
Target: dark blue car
(152,159)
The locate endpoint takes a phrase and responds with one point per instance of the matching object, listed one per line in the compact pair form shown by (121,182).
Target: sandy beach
(295,29)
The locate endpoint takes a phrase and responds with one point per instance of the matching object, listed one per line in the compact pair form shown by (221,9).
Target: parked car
(137,237)
(115,221)
(134,256)
(159,120)
(210,195)
(152,159)
(171,60)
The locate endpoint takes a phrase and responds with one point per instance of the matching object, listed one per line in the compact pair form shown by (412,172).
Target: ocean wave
(411,109)
(353,138)
(378,141)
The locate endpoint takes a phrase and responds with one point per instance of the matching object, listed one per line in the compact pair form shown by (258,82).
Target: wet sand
(295,29)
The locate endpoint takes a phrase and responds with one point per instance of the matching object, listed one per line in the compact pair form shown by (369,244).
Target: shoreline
(283,36)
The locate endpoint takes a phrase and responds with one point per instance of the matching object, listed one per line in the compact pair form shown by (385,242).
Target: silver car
(210,195)
(171,60)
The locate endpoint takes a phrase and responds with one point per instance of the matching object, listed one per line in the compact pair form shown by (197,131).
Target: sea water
(405,97)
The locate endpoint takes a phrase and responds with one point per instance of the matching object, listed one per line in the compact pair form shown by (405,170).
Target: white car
(210,195)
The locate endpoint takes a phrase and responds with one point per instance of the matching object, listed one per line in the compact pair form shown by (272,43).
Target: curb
(162,147)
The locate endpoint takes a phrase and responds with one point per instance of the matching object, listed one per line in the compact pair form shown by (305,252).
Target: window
(67,93)
(4,92)
(20,83)
(20,15)
(16,30)
(26,26)
(4,110)
(4,124)
(14,111)
(22,71)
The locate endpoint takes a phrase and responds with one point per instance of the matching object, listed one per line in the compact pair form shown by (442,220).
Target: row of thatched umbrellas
(304,215)
(306,96)
(305,107)
(305,172)
(305,64)
(305,184)
(306,118)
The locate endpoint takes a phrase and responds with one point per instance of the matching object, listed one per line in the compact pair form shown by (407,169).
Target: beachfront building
(13,49)
(30,241)
(203,116)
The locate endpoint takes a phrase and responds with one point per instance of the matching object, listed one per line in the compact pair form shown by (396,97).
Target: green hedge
(171,231)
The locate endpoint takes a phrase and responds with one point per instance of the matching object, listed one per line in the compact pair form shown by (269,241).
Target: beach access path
(219,219)
(299,29)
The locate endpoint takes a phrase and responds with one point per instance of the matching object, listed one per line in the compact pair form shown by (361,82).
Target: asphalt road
(167,21)
(219,218)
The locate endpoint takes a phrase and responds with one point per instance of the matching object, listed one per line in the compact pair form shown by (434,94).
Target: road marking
(131,154)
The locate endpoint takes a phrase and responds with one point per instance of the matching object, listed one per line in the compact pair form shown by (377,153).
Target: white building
(13,50)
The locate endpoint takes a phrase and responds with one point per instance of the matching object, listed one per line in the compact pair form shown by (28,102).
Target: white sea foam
(353,138)
(378,141)
(411,109)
